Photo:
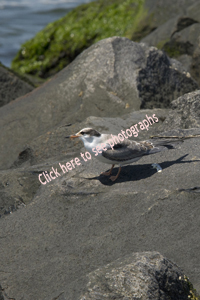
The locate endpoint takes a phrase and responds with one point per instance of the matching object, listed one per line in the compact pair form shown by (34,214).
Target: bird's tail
(169,143)
(161,144)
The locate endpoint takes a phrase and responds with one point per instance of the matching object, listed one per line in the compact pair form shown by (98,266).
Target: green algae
(61,41)
(172,50)
(193,295)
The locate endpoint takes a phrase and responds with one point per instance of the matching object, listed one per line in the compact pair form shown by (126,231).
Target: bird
(109,149)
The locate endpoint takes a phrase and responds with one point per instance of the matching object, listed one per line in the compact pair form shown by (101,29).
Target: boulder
(194,11)
(179,38)
(185,40)
(53,235)
(11,86)
(53,145)
(145,276)
(113,77)
(161,11)
(82,221)
(165,31)
(185,112)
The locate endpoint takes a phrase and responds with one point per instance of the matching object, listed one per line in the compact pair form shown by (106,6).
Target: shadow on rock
(138,172)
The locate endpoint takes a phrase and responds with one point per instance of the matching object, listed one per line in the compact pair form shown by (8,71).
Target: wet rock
(11,86)
(145,276)
(113,77)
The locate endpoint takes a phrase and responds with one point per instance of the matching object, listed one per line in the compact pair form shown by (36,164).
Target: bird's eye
(82,132)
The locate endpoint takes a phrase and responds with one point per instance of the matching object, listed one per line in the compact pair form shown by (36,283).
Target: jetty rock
(111,78)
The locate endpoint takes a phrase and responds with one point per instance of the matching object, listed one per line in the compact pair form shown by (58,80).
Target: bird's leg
(109,172)
(113,178)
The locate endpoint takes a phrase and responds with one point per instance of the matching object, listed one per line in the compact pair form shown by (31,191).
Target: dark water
(20,20)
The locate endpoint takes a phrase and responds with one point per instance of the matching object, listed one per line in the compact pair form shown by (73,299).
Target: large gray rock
(179,38)
(53,144)
(185,112)
(82,221)
(53,235)
(19,185)
(111,78)
(11,86)
(144,276)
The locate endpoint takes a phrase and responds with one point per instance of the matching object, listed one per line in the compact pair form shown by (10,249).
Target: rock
(164,32)
(179,38)
(11,86)
(1,294)
(183,42)
(186,61)
(82,221)
(194,11)
(54,234)
(19,185)
(17,189)
(185,112)
(161,11)
(146,275)
(113,77)
(51,145)
(186,40)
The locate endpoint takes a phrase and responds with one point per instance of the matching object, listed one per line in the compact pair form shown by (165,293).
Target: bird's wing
(127,150)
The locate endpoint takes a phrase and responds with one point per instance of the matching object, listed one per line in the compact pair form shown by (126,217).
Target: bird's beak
(73,136)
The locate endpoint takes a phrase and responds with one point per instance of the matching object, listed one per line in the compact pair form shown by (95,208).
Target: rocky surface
(81,226)
(125,278)
(11,86)
(164,32)
(193,11)
(161,11)
(112,77)
(185,112)
(179,38)
(52,144)
(82,221)
(186,43)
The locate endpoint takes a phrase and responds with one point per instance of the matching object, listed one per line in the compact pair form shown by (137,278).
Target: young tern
(107,148)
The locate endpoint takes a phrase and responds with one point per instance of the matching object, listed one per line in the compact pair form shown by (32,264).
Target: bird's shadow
(138,172)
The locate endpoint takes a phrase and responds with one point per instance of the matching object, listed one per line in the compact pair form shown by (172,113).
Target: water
(20,20)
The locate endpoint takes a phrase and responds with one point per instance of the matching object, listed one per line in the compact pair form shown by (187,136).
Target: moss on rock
(61,41)
(193,295)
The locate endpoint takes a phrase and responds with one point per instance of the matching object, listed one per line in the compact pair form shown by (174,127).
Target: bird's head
(86,134)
